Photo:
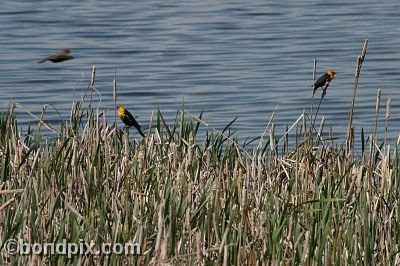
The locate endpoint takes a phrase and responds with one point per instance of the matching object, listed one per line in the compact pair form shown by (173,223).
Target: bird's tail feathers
(140,132)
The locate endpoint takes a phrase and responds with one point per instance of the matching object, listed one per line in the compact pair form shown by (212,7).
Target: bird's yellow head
(331,74)
(121,110)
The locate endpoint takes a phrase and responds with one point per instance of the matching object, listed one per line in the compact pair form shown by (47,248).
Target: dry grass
(191,201)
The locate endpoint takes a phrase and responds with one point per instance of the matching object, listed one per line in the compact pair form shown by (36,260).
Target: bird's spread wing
(62,55)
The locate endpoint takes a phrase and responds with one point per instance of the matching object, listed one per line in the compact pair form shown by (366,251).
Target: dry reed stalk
(360,61)
(272,139)
(115,97)
(40,120)
(199,249)
(285,135)
(181,128)
(11,191)
(312,98)
(321,128)
(6,204)
(266,128)
(387,116)
(92,83)
(319,104)
(44,111)
(91,86)
(377,107)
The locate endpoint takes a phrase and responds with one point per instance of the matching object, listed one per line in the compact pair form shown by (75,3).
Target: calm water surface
(228,58)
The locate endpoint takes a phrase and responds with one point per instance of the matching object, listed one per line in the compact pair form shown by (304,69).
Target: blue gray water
(229,58)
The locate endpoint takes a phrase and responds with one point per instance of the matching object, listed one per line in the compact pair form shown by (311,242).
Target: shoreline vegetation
(191,201)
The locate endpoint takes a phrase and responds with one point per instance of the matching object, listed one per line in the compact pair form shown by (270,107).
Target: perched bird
(324,80)
(63,55)
(128,119)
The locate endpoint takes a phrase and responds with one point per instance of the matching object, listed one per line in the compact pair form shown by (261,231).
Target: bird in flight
(128,119)
(324,80)
(61,56)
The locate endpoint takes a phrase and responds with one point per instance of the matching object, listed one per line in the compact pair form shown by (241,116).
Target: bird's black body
(324,80)
(129,120)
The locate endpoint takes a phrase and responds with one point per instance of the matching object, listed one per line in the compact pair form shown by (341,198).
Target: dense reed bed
(190,200)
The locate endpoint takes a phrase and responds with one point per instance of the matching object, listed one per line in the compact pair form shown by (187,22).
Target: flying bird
(324,80)
(128,119)
(61,56)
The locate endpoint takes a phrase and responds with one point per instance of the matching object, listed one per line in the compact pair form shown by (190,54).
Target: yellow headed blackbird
(128,119)
(324,80)
(63,55)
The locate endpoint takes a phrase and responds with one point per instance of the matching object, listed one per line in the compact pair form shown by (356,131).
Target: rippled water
(228,58)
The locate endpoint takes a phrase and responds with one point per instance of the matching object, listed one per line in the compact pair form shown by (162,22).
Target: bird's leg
(324,89)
